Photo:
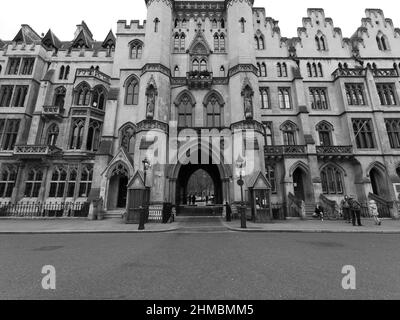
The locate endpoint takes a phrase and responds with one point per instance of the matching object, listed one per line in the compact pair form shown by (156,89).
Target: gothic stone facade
(325,109)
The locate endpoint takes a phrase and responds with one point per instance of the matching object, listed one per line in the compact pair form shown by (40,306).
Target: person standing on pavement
(373,211)
(228,212)
(345,207)
(355,208)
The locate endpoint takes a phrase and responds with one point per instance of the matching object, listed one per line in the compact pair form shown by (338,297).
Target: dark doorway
(122,191)
(185,174)
(378,183)
(299,179)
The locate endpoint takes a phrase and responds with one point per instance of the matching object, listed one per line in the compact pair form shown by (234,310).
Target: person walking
(373,211)
(319,213)
(345,207)
(228,212)
(355,208)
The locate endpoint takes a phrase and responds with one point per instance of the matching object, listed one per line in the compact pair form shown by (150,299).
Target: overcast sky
(102,15)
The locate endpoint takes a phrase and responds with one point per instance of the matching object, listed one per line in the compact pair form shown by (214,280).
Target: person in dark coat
(355,208)
(194,200)
(228,212)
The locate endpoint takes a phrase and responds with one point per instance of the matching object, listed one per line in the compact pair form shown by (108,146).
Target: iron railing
(45,210)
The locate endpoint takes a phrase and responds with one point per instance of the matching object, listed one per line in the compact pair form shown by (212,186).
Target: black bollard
(243,218)
(142,218)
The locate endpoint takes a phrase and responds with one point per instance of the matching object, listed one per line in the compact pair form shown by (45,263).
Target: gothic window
(182,43)
(62,70)
(136,50)
(256,43)
(382,42)
(214,24)
(8,177)
(83,95)
(285,101)
(279,69)
(52,135)
(393,131)
(363,133)
(93,136)
(6,95)
(85,184)
(76,138)
(214,113)
(156,24)
(8,133)
(27,66)
(71,185)
(66,74)
(315,70)
(216,42)
(222,23)
(332,181)
(259,42)
(270,174)
(269,137)
(33,183)
(242,22)
(59,97)
(282,69)
(185,111)
(318,98)
(203,65)
(386,92)
(309,70)
(325,133)
(258,69)
(355,94)
(320,71)
(184,23)
(222,42)
(320,43)
(264,96)
(126,138)
(58,183)
(99,98)
(176,25)
(13,66)
(20,96)
(195,65)
(177,42)
(289,130)
(132,92)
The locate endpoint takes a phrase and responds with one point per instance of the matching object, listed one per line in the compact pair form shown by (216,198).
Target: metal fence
(45,210)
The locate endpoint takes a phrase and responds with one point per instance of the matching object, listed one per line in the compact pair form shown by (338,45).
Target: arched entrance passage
(118,188)
(378,183)
(299,184)
(187,171)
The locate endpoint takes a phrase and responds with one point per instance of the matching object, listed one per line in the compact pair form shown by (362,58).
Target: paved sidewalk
(51,226)
(327,226)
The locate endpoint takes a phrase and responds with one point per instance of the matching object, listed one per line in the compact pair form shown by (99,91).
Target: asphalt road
(184,265)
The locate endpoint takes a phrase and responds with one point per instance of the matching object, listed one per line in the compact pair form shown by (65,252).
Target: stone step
(114,214)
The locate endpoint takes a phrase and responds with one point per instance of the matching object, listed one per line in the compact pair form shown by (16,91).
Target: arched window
(256,43)
(85,184)
(183,45)
(315,70)
(320,72)
(264,96)
(20,96)
(99,98)
(222,42)
(258,69)
(93,136)
(325,133)
(156,23)
(176,42)
(67,70)
(176,25)
(309,70)
(222,23)
(332,181)
(58,183)
(214,112)
(242,22)
(72,179)
(176,71)
(263,70)
(262,44)
(76,138)
(33,183)
(185,112)
(127,134)
(195,65)
(132,92)
(214,24)
(52,134)
(279,69)
(269,138)
(289,130)
(320,43)
(184,23)
(136,50)
(8,178)
(382,42)
(284,70)
(216,42)
(59,97)
(62,70)
(393,131)
(203,65)
(83,95)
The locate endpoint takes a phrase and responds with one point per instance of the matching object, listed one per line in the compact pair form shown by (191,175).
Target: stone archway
(118,187)
(378,183)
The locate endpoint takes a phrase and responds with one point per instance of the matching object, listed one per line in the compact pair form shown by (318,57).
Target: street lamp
(146,166)
(240,164)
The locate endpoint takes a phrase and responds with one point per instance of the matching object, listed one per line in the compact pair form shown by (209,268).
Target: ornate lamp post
(146,166)
(240,164)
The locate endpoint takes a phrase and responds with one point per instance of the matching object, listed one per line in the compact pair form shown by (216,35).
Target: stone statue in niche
(248,104)
(151,103)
